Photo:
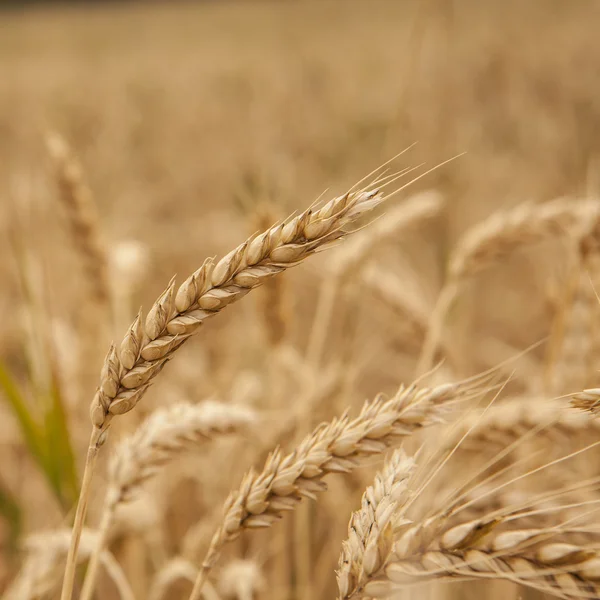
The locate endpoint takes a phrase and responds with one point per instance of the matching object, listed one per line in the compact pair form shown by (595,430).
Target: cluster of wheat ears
(520,505)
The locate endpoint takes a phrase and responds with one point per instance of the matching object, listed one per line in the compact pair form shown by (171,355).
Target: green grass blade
(59,444)
(12,514)
(32,433)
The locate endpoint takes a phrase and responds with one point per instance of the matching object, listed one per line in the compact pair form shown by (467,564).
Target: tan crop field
(408,412)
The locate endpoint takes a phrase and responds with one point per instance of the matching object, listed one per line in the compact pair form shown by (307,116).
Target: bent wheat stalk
(177,315)
(336,447)
(161,438)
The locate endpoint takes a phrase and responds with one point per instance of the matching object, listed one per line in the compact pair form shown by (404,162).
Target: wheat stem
(96,439)
(92,570)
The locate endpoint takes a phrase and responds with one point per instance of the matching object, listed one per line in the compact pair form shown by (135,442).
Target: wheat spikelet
(338,446)
(81,211)
(177,314)
(371,529)
(560,559)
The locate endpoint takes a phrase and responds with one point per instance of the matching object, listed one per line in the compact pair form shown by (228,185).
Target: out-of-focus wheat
(495,238)
(162,437)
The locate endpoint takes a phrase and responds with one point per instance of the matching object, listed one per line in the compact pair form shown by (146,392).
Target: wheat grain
(588,400)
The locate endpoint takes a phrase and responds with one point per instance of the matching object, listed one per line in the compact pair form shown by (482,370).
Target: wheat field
(387,213)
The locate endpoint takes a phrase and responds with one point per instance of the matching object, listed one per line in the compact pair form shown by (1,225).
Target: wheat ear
(176,315)
(160,439)
(339,446)
(495,238)
(588,400)
(542,559)
(502,424)
(371,529)
(82,214)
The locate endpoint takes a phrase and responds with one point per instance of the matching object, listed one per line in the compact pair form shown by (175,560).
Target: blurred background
(195,123)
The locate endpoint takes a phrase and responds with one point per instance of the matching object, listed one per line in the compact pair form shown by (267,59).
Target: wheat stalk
(176,315)
(338,446)
(371,529)
(495,238)
(160,439)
